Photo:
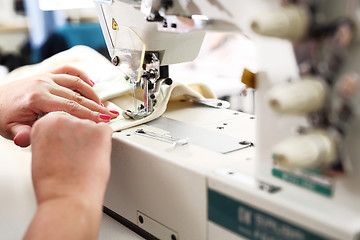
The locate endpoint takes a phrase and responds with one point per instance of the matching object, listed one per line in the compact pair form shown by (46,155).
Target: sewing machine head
(141,51)
(144,37)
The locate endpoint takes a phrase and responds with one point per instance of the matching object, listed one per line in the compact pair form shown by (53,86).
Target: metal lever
(162,137)
(216,103)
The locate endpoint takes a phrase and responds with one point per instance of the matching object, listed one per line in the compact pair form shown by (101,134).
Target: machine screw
(152,96)
(165,25)
(168,81)
(115,60)
(141,219)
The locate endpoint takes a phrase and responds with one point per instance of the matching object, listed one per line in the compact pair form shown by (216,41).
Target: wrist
(48,189)
(72,217)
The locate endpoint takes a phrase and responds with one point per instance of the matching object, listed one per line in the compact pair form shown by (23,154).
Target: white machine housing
(170,193)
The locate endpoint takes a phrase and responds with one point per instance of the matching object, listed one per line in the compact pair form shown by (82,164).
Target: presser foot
(128,114)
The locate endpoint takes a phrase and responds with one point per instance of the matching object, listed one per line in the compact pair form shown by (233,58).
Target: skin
(70,171)
(61,116)
(66,89)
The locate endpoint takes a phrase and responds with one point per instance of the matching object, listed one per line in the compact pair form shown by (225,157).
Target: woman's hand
(66,89)
(70,171)
(73,160)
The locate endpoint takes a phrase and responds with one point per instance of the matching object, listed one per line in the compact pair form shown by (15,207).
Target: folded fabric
(167,93)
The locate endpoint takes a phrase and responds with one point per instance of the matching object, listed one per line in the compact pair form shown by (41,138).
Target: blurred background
(29,35)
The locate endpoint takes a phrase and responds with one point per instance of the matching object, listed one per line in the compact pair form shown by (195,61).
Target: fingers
(74,72)
(76,84)
(22,135)
(78,98)
(73,93)
(56,103)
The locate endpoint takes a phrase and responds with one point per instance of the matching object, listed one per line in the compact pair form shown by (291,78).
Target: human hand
(70,171)
(64,89)
(72,161)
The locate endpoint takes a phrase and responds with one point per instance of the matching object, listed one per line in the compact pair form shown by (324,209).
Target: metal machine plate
(200,136)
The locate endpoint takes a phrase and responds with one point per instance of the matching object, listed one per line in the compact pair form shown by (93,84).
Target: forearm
(66,218)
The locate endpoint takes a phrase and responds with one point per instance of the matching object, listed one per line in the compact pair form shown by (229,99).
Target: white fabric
(167,93)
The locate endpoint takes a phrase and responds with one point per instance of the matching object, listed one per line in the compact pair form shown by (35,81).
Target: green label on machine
(252,223)
(318,186)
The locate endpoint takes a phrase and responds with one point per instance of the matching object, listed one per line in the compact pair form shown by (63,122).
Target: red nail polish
(114,112)
(102,104)
(105,117)
(92,82)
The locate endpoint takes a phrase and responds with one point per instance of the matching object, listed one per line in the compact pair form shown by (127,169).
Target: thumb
(22,135)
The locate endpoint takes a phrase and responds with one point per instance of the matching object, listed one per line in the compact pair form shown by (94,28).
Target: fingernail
(114,112)
(92,82)
(105,117)
(102,104)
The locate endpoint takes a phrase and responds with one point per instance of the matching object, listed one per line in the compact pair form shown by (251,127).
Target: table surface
(17,198)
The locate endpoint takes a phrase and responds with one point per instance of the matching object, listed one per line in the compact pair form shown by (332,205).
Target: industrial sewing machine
(301,179)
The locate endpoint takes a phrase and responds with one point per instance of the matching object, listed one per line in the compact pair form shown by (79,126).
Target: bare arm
(70,171)
(66,218)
